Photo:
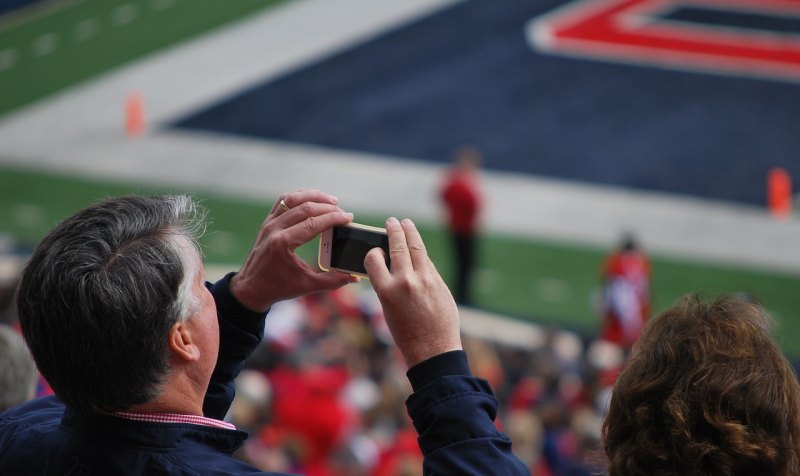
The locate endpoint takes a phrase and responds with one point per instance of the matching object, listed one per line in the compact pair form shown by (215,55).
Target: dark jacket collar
(109,429)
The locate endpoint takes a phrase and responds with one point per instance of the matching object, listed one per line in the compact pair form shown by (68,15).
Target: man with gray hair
(142,353)
(17,371)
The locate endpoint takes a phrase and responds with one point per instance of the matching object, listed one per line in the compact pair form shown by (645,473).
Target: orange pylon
(134,114)
(779,192)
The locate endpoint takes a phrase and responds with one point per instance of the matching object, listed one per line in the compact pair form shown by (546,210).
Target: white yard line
(81,131)
(83,30)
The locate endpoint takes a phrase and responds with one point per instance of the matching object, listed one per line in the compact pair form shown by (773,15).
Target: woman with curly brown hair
(706,392)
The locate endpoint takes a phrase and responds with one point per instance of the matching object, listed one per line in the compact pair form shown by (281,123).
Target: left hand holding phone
(272,271)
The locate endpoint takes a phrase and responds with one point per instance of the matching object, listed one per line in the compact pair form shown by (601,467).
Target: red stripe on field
(608,29)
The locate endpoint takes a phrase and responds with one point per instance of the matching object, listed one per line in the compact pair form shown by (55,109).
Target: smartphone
(343,248)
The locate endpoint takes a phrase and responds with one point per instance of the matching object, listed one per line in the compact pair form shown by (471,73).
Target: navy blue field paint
(468,75)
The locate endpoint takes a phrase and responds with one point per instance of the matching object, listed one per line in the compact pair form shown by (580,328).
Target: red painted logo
(637,32)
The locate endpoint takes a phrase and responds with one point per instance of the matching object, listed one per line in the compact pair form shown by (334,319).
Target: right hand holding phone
(419,309)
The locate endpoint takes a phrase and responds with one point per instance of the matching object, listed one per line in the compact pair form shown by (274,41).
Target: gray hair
(17,371)
(101,292)
(186,302)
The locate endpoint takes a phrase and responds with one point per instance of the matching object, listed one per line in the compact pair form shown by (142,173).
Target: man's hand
(272,271)
(418,307)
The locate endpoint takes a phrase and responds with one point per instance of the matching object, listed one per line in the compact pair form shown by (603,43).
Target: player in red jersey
(626,294)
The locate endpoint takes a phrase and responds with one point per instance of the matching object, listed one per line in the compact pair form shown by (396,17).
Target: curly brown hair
(706,392)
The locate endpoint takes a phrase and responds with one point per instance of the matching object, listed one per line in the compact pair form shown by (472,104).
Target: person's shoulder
(18,425)
(51,402)
(40,409)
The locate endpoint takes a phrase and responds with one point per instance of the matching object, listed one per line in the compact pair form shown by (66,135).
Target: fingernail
(335,199)
(391,220)
(348,215)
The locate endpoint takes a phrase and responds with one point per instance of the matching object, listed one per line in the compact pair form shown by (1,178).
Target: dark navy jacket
(452,411)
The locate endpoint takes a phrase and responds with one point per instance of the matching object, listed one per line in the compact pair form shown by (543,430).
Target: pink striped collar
(175,418)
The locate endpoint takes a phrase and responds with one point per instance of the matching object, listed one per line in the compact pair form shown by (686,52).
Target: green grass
(525,278)
(73,59)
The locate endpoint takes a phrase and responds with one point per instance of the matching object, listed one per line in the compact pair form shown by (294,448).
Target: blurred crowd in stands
(332,354)
(324,393)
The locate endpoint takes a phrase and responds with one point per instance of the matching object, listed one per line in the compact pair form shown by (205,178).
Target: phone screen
(349,247)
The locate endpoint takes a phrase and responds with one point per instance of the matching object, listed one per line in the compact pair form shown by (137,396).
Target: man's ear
(181,343)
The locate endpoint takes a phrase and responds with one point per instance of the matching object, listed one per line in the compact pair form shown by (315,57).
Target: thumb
(375,264)
(333,280)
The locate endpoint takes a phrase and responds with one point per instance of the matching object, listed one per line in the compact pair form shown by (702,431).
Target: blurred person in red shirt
(626,294)
(462,197)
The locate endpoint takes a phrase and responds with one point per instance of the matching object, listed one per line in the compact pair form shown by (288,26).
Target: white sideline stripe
(524,206)
(81,131)
(501,329)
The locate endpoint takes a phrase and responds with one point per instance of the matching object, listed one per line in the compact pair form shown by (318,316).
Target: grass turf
(547,282)
(50,49)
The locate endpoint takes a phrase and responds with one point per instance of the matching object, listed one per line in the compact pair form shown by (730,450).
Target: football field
(66,70)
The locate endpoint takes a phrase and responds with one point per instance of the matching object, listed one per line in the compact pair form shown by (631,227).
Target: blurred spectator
(462,197)
(625,294)
(558,383)
(484,361)
(17,371)
(7,314)
(526,431)
(12,258)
